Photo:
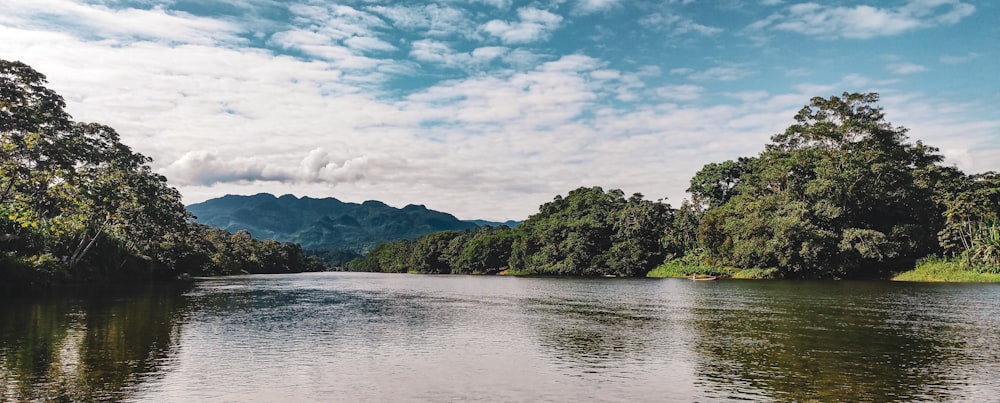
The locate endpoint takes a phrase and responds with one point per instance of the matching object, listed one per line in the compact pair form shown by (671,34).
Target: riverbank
(946,270)
(679,269)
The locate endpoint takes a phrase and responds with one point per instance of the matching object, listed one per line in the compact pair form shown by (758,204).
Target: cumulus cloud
(206,168)
(863,21)
(432,20)
(533,25)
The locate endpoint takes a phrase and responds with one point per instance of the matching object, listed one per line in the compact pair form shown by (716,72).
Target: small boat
(703,278)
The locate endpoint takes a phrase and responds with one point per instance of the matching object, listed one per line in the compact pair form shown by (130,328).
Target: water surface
(385,337)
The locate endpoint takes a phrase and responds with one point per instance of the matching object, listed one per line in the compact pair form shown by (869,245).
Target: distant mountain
(323,224)
(481,223)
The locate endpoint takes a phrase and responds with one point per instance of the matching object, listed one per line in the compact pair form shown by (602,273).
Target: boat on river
(703,278)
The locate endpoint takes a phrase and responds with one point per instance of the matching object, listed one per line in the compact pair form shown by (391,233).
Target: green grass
(936,269)
(679,269)
(675,269)
(756,274)
(515,273)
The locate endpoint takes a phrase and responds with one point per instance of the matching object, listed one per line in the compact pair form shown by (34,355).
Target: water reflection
(616,333)
(368,337)
(817,341)
(86,346)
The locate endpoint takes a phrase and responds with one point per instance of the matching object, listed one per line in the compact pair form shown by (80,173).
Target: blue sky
(488,108)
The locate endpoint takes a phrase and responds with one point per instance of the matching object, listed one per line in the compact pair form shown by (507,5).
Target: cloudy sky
(488,108)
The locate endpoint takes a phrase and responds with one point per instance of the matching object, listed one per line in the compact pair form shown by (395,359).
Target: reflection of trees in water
(85,347)
(589,335)
(803,341)
(291,315)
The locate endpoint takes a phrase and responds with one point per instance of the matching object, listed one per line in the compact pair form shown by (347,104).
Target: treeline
(590,232)
(839,194)
(78,205)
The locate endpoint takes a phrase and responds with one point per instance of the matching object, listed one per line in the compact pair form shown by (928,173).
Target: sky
(488,108)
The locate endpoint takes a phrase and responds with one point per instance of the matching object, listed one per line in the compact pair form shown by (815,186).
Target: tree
(638,240)
(488,252)
(715,183)
(838,194)
(68,189)
(972,220)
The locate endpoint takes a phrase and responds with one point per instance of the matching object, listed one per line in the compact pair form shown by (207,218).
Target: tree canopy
(841,193)
(77,204)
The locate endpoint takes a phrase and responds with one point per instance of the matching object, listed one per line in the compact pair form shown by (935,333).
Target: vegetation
(484,250)
(934,269)
(338,231)
(839,194)
(78,205)
(590,232)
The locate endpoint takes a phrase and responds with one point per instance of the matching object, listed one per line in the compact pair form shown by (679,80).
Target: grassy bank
(680,269)
(948,270)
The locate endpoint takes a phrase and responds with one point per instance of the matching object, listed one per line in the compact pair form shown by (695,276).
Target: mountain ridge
(326,224)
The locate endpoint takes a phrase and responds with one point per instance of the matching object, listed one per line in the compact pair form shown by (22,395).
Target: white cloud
(442,54)
(595,6)
(486,143)
(685,92)
(367,43)
(125,25)
(676,25)
(863,21)
(534,25)
(905,68)
(429,50)
(959,59)
(728,72)
(432,20)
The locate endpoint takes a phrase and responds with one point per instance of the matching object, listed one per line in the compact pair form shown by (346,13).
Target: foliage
(838,194)
(388,257)
(76,204)
(593,232)
(972,220)
(755,274)
(487,251)
(589,232)
(324,224)
(683,268)
(935,269)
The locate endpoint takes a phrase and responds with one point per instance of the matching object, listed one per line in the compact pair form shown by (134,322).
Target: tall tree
(839,193)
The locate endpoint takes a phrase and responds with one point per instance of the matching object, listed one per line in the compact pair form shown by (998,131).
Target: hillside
(323,224)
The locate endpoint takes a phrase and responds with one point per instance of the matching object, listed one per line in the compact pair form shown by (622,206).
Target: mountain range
(326,224)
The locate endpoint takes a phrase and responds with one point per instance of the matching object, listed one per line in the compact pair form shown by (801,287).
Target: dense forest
(78,205)
(839,194)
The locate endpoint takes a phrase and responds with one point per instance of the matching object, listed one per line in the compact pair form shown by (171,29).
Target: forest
(78,205)
(840,194)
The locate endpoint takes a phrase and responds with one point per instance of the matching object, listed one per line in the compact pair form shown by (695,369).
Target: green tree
(434,253)
(839,194)
(78,204)
(488,252)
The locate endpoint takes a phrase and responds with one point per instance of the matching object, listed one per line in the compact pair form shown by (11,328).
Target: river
(396,337)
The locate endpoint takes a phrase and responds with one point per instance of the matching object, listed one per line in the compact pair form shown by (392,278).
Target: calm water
(381,337)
